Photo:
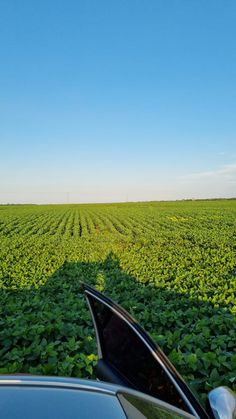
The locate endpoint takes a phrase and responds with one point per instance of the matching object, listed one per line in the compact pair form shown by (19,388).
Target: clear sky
(116,100)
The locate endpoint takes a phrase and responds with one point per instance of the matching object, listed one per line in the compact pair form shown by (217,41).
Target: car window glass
(137,408)
(124,350)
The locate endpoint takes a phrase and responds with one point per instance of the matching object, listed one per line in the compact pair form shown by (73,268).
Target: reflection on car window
(137,408)
(123,349)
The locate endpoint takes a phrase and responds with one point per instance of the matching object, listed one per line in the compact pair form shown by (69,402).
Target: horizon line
(122,202)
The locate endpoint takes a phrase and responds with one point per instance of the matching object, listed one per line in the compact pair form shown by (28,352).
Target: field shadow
(48,330)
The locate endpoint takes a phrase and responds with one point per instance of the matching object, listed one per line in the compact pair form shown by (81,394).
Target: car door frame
(190,400)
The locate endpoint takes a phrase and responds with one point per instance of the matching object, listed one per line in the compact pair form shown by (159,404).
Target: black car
(143,382)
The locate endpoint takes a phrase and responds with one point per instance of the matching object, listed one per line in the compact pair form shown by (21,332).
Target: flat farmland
(172,265)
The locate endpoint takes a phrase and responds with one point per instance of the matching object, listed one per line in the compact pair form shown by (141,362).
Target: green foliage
(171,265)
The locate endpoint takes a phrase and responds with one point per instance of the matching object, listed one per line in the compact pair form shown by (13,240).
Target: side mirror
(222,402)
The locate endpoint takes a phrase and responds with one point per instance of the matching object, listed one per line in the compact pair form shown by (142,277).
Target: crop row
(74,223)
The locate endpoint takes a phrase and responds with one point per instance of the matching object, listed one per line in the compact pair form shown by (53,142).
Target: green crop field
(172,265)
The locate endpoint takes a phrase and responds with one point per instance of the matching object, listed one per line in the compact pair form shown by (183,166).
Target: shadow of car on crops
(48,330)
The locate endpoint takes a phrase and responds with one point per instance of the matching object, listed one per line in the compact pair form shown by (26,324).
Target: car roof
(37,397)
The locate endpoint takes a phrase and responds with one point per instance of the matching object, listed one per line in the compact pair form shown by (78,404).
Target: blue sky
(116,100)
